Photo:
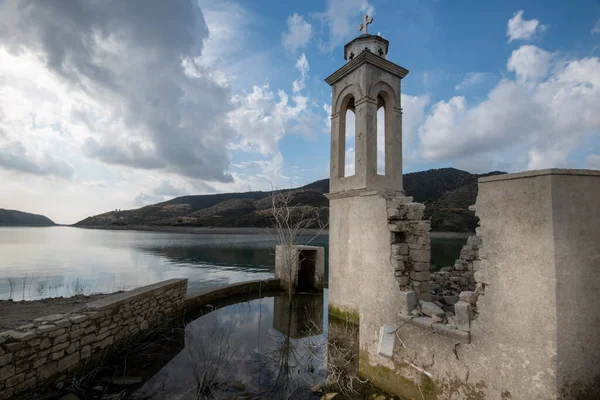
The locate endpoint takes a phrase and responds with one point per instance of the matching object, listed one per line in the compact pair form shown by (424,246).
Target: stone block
(15,380)
(419,266)
(415,211)
(462,312)
(62,323)
(400,249)
(468,297)
(60,339)
(86,351)
(47,370)
(58,354)
(68,361)
(28,384)
(22,367)
(17,335)
(394,228)
(45,343)
(6,372)
(26,327)
(57,332)
(395,214)
(421,276)
(424,296)
(104,343)
(403,280)
(88,339)
(49,318)
(39,362)
(398,264)
(408,302)
(5,359)
(24,352)
(14,347)
(451,299)
(431,309)
(77,319)
(422,228)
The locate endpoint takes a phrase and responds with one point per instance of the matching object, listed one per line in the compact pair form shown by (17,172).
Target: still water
(266,347)
(62,261)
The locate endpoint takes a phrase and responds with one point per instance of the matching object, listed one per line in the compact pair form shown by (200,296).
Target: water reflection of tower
(302,317)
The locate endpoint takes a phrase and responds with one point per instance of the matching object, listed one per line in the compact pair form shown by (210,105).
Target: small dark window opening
(306,271)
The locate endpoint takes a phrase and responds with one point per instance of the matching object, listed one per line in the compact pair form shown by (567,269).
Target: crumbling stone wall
(444,300)
(53,346)
(411,246)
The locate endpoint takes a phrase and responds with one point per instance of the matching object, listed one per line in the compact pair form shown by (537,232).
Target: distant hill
(19,218)
(447,194)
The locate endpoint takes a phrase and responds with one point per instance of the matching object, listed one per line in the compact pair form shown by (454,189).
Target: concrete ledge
(121,298)
(541,172)
(441,329)
(205,297)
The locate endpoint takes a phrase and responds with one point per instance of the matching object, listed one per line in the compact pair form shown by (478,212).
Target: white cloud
(522,29)
(298,33)
(85,129)
(342,18)
(596,28)
(593,161)
(262,117)
(472,79)
(530,63)
(303,67)
(535,121)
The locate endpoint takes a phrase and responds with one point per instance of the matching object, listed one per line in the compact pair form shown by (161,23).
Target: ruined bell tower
(358,221)
(367,82)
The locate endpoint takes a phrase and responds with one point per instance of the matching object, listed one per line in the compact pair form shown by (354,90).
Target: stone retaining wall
(45,351)
(201,299)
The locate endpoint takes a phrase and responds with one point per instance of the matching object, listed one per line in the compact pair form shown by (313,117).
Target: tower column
(366,139)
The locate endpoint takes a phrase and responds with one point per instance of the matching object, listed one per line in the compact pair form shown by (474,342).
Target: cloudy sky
(118,104)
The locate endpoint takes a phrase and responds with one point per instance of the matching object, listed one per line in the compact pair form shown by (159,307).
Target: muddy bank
(16,313)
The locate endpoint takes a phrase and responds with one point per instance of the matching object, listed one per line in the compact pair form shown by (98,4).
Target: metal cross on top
(365,25)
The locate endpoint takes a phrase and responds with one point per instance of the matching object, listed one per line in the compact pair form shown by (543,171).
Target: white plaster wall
(576,217)
(513,353)
(358,245)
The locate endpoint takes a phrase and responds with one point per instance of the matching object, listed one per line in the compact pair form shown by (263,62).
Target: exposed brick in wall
(411,247)
(51,347)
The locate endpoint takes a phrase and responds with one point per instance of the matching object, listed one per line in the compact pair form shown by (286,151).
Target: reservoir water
(63,261)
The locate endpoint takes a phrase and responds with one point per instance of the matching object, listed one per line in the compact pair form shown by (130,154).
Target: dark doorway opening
(306,271)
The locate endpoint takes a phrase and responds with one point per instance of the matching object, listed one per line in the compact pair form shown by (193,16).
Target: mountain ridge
(21,218)
(446,192)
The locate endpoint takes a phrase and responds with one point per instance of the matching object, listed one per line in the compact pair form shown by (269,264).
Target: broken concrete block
(468,297)
(462,316)
(431,309)
(408,302)
(451,299)
(425,296)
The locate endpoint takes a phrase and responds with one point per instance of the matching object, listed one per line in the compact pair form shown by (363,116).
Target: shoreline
(240,230)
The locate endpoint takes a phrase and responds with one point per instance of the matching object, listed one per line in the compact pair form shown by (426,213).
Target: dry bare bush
(290,224)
